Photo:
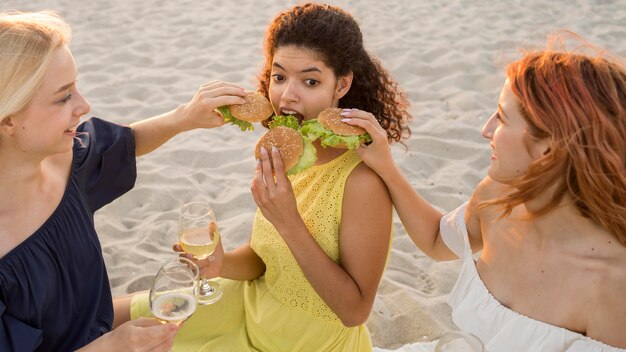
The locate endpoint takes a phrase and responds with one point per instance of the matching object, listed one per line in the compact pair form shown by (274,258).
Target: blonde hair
(27,41)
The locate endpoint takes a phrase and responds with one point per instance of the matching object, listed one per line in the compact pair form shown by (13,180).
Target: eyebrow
(306,70)
(65,87)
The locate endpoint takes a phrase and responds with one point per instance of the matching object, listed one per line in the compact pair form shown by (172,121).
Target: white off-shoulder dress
(476,311)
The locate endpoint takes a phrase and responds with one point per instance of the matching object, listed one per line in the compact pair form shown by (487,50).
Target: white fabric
(476,311)
(415,347)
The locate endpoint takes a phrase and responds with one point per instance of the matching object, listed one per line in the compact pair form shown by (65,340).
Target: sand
(138,58)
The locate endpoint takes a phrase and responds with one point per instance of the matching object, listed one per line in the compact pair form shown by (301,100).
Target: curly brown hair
(335,35)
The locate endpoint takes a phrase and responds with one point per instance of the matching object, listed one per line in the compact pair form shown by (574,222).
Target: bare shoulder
(609,317)
(486,190)
(365,198)
(489,189)
(364,182)
(26,206)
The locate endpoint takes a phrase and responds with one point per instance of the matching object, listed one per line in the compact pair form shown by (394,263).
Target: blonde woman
(54,174)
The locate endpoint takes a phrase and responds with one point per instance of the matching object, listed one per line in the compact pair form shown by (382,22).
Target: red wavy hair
(577,102)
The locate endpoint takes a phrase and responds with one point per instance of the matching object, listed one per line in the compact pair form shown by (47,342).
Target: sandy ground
(140,58)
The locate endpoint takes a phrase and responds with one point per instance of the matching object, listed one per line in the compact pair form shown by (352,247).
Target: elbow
(355,317)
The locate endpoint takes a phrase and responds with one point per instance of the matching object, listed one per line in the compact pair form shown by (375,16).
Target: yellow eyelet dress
(280,311)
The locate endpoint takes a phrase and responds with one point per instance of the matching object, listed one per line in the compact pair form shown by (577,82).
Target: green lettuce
(228,117)
(287,121)
(309,154)
(313,130)
(307,159)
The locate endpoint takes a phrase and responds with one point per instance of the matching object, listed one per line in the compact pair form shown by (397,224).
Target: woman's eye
(66,99)
(278,78)
(311,82)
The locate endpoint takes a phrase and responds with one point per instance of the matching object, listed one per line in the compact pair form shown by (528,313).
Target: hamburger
(256,109)
(296,151)
(332,132)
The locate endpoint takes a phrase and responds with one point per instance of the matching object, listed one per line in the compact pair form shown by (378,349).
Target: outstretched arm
(419,218)
(200,112)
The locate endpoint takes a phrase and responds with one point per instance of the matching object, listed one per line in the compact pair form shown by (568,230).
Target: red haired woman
(550,217)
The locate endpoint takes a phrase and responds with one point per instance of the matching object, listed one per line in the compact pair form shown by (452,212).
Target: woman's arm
(419,218)
(487,189)
(198,113)
(240,264)
(364,244)
(347,287)
(143,334)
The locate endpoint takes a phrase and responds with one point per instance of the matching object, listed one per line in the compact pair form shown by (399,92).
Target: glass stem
(205,288)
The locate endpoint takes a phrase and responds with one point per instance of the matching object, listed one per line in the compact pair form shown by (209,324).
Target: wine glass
(173,294)
(458,341)
(199,235)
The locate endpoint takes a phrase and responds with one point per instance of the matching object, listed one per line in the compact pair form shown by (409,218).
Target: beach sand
(140,58)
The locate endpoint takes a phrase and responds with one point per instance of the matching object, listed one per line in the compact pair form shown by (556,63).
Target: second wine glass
(199,235)
(173,293)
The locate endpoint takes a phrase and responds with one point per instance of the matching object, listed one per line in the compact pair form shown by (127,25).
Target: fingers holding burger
(297,153)
(332,132)
(256,108)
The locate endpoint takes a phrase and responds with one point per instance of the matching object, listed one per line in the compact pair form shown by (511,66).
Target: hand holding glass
(173,293)
(199,235)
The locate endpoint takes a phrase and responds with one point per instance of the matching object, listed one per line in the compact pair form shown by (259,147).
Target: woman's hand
(139,335)
(273,193)
(200,111)
(210,266)
(376,155)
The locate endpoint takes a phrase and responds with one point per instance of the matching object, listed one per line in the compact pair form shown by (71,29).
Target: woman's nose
(290,93)
(82,105)
(489,126)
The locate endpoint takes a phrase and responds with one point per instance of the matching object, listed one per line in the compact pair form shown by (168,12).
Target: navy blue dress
(54,288)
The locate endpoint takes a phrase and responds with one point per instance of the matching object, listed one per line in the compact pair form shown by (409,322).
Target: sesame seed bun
(256,108)
(331,119)
(288,141)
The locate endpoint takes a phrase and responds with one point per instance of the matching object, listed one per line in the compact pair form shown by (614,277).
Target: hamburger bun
(331,119)
(256,108)
(288,141)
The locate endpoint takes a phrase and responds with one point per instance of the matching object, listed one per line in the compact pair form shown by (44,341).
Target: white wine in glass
(199,235)
(173,295)
(194,241)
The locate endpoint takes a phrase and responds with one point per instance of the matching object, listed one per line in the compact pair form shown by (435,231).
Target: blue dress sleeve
(15,335)
(104,161)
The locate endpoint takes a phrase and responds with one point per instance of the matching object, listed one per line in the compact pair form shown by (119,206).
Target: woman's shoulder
(489,189)
(364,177)
(364,184)
(609,318)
